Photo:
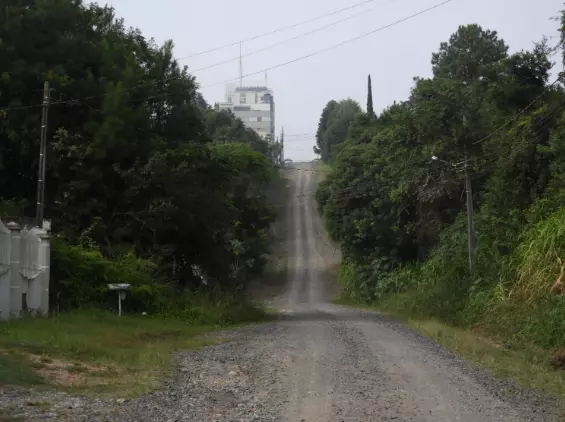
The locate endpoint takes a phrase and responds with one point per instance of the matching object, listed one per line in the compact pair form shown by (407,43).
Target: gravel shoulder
(316,362)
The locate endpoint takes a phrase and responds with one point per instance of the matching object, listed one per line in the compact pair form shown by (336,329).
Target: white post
(15,276)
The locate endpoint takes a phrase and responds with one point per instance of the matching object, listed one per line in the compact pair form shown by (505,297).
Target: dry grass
(558,359)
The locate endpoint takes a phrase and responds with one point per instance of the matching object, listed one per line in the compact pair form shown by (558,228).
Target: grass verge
(527,365)
(96,352)
(323,169)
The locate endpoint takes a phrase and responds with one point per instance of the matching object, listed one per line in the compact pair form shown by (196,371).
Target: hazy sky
(301,89)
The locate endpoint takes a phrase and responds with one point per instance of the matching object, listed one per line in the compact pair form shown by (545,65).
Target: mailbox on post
(121,289)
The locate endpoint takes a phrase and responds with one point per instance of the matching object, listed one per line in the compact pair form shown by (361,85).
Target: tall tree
(470,54)
(329,109)
(334,126)
(370,110)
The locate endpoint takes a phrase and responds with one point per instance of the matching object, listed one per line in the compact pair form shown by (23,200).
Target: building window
(266,119)
(253,119)
(242,98)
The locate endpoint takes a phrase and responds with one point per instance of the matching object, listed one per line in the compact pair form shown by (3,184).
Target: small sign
(122,286)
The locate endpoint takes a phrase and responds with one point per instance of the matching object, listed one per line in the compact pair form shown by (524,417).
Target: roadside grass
(96,352)
(526,364)
(8,418)
(323,169)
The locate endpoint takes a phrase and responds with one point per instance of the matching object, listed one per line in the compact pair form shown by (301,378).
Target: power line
(541,123)
(35,105)
(283,41)
(332,47)
(20,107)
(489,165)
(303,57)
(274,31)
(149,83)
(515,117)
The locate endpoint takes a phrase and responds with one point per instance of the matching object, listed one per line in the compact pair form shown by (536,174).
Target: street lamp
(470,228)
(436,158)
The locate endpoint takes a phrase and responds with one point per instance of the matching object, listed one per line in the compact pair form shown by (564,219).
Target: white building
(254,104)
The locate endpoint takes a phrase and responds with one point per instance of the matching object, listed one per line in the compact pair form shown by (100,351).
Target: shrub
(79,279)
(539,260)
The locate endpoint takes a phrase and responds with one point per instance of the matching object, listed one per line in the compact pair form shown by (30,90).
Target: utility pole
(470,228)
(471,240)
(42,156)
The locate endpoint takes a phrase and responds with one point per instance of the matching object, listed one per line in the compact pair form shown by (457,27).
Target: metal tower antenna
(240,67)
(266,80)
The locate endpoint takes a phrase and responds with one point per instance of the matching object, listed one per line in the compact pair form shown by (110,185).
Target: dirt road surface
(321,362)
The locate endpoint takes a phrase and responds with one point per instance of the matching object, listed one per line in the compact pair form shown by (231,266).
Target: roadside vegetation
(93,351)
(146,184)
(400,219)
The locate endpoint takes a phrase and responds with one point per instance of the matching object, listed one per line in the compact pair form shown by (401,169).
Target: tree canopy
(136,160)
(400,216)
(333,127)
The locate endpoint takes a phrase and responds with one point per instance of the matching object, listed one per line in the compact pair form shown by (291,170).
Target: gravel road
(321,362)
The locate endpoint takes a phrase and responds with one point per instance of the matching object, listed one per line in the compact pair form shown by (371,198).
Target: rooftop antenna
(240,67)
(266,80)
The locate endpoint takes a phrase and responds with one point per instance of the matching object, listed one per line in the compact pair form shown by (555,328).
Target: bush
(354,287)
(323,194)
(80,278)
(201,307)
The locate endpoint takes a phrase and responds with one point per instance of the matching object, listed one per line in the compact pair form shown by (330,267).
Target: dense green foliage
(138,165)
(333,127)
(400,216)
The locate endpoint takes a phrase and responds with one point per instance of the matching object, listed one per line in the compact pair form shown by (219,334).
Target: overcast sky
(392,56)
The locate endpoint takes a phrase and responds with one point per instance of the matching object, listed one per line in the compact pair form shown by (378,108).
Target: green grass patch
(14,369)
(8,418)
(93,351)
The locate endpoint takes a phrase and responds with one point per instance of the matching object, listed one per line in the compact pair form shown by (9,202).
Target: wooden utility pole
(470,228)
(42,156)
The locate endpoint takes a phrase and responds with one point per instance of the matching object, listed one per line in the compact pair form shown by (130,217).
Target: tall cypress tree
(370,110)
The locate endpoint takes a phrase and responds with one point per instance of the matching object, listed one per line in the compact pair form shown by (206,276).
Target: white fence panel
(24,270)
(30,245)
(5,274)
